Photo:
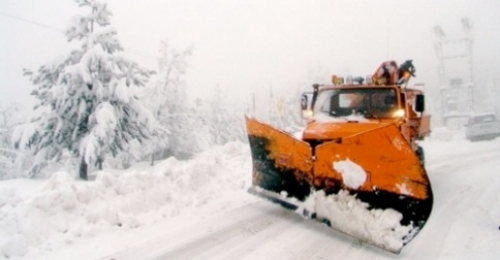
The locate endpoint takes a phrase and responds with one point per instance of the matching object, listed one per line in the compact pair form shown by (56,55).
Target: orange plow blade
(371,186)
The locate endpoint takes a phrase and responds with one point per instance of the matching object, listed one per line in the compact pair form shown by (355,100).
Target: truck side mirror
(304,101)
(420,103)
(306,104)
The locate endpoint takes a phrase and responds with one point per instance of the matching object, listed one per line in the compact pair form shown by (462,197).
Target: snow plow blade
(370,186)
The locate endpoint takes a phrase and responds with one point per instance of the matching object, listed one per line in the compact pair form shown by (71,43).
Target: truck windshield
(369,103)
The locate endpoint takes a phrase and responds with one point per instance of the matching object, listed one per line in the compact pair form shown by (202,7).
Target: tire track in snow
(299,238)
(252,244)
(318,241)
(315,240)
(478,200)
(215,245)
(452,181)
(212,237)
(280,241)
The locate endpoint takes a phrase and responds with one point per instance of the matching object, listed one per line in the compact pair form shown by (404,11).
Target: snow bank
(62,209)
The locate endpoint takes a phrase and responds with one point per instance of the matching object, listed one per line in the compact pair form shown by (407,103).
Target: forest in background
(95,108)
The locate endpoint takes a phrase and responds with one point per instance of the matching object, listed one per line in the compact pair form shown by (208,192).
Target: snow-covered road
(223,221)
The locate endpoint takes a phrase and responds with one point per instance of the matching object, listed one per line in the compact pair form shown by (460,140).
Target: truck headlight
(398,113)
(307,113)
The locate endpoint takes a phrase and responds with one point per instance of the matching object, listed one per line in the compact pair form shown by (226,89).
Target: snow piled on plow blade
(347,214)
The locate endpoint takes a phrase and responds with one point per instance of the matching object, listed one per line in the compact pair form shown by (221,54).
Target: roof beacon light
(368,79)
(337,80)
(348,80)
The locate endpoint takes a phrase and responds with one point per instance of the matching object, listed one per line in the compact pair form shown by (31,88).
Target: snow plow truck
(357,166)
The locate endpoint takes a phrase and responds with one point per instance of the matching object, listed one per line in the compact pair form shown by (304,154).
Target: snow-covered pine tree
(201,115)
(167,98)
(6,126)
(11,161)
(86,101)
(226,119)
(6,154)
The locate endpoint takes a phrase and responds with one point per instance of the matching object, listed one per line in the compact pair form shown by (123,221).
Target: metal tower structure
(455,75)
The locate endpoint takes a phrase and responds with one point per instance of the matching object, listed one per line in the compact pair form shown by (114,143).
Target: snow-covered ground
(200,209)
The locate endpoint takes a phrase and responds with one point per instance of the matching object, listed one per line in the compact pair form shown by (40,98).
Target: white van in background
(484,126)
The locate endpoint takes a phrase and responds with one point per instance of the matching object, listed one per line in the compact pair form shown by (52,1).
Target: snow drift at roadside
(62,209)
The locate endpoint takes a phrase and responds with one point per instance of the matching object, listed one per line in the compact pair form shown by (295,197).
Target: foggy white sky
(251,45)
